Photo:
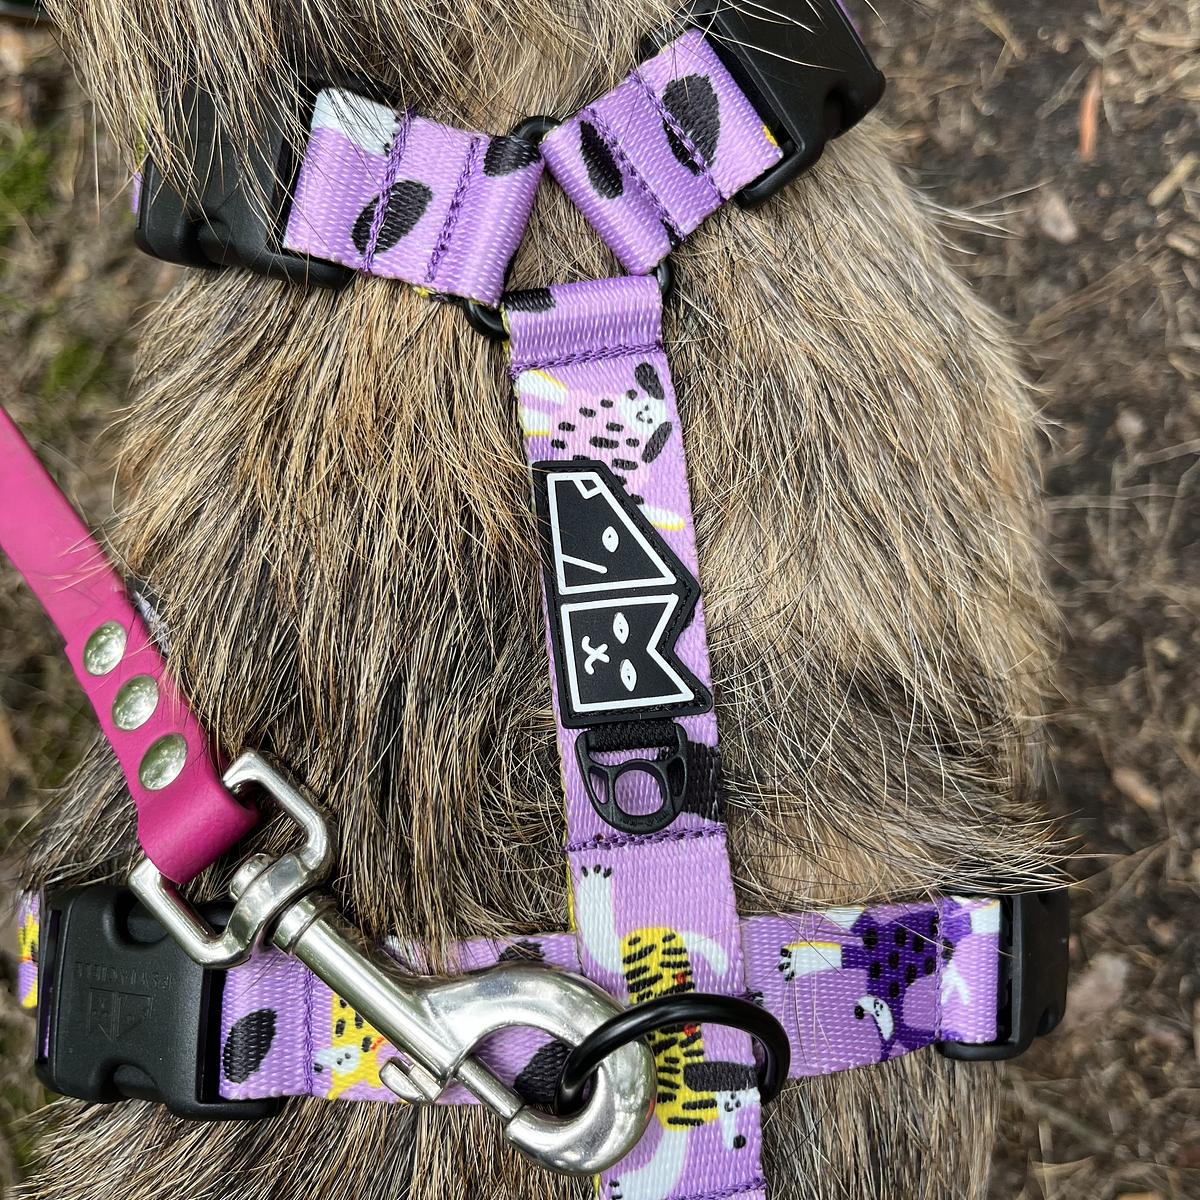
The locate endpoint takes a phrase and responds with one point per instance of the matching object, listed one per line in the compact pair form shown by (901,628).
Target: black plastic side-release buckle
(124,1013)
(1034,930)
(233,210)
(803,67)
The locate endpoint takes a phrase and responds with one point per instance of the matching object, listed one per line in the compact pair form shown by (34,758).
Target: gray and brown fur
(342,592)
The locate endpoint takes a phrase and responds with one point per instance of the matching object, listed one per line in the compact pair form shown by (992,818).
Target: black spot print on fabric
(604,443)
(631,394)
(248,1043)
(858,1012)
(406,205)
(358,1021)
(930,965)
(900,937)
(870,938)
(624,464)
(606,403)
(530,300)
(656,441)
(692,101)
(910,973)
(633,443)
(613,426)
(558,443)
(508,154)
(874,970)
(602,171)
(739,1141)
(538,1080)
(339,1028)
(587,412)
(566,426)
(366,1043)
(893,960)
(893,990)
(523,951)
(649,381)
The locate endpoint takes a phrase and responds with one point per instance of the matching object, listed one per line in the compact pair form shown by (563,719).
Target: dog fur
(327,495)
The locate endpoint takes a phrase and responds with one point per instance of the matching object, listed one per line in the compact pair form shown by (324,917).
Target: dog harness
(658,991)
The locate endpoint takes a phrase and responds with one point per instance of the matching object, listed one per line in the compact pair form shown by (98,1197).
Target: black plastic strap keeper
(124,1013)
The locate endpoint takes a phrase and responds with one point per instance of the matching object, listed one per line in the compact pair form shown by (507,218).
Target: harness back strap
(852,986)
(654,905)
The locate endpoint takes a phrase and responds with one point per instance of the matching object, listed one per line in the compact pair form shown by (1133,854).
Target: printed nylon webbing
(648,161)
(917,974)
(404,197)
(655,912)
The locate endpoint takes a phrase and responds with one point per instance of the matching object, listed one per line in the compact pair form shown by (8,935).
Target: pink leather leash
(187,818)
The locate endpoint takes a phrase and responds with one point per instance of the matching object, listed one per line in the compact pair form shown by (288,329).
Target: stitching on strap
(455,209)
(586,356)
(391,171)
(669,119)
(603,841)
(618,152)
(309,1049)
(757,1184)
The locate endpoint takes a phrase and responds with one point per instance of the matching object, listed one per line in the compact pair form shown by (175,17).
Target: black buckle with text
(1034,932)
(124,1013)
(234,209)
(802,66)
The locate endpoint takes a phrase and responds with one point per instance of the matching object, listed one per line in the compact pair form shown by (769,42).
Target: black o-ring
(663,1012)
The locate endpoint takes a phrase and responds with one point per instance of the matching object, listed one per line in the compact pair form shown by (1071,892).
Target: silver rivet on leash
(135,703)
(104,648)
(162,763)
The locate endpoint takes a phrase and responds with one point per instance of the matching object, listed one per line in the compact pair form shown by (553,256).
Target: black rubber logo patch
(618,599)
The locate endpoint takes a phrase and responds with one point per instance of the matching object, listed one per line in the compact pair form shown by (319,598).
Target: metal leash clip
(435,1024)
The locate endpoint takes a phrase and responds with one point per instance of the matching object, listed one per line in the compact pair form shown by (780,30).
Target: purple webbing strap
(650,160)
(404,197)
(284,1033)
(656,912)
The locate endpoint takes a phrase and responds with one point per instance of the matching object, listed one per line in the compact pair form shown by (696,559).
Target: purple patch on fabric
(407,198)
(648,161)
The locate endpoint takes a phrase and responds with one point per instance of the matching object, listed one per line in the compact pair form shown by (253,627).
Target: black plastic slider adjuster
(803,67)
(124,1013)
(233,210)
(1034,932)
(681,1012)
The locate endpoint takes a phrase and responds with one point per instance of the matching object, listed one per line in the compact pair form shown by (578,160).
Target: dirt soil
(1068,132)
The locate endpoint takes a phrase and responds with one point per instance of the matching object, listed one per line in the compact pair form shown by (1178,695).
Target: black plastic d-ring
(663,1012)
